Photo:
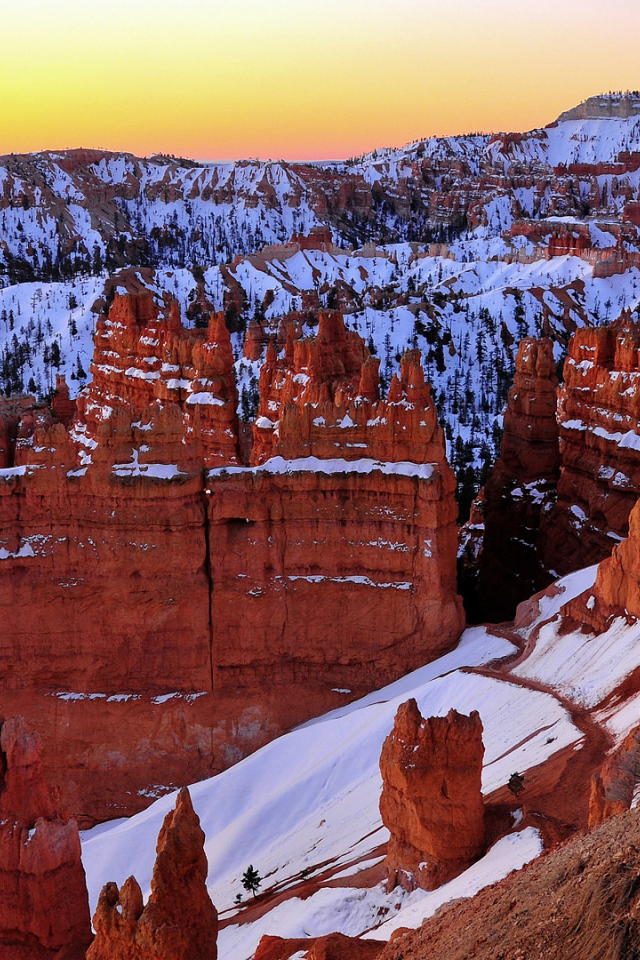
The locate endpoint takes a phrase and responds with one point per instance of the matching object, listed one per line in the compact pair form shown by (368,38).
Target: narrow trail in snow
(560,787)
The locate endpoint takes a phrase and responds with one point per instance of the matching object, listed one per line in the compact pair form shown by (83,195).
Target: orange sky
(297,79)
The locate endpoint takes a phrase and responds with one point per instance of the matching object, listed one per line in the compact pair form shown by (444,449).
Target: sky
(299,79)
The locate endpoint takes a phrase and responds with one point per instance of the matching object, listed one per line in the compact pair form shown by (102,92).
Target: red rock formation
(141,358)
(334,946)
(132,567)
(616,592)
(253,341)
(431,799)
(44,906)
(62,407)
(521,487)
(599,417)
(322,399)
(615,786)
(179,922)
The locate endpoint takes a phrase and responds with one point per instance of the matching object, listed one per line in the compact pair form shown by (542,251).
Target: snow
(155,471)
(278,465)
(206,399)
(310,798)
(508,854)
(583,667)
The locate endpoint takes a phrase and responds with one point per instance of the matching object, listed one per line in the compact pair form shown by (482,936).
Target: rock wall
(522,486)
(568,477)
(44,907)
(431,799)
(179,921)
(165,590)
(599,425)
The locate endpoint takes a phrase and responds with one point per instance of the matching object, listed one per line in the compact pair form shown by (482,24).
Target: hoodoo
(44,907)
(431,799)
(178,922)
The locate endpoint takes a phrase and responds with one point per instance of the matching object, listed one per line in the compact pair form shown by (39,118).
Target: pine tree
(251,880)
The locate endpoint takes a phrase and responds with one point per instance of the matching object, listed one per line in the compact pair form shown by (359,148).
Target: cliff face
(431,799)
(179,921)
(560,495)
(44,906)
(165,591)
(522,487)
(598,417)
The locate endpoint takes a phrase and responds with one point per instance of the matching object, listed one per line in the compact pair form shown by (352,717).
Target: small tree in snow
(251,880)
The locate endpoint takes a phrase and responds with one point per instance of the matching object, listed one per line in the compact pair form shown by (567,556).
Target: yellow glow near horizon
(299,79)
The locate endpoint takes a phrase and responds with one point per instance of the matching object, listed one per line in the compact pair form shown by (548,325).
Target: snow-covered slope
(305,807)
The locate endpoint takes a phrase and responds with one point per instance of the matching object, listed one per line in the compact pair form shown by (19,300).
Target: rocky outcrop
(431,799)
(143,360)
(522,486)
(615,787)
(323,397)
(616,592)
(135,545)
(616,105)
(179,921)
(44,908)
(334,946)
(599,423)
(580,900)
(63,407)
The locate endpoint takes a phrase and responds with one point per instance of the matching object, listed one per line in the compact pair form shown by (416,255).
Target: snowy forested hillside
(458,245)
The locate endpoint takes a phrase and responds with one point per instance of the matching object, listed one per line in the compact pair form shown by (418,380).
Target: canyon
(246,405)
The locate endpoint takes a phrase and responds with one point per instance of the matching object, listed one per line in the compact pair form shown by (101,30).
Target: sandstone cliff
(165,589)
(431,799)
(44,906)
(178,922)
(560,495)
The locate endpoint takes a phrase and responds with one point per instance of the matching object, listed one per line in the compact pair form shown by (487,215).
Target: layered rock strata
(599,426)
(179,921)
(522,486)
(165,590)
(561,493)
(431,800)
(44,908)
